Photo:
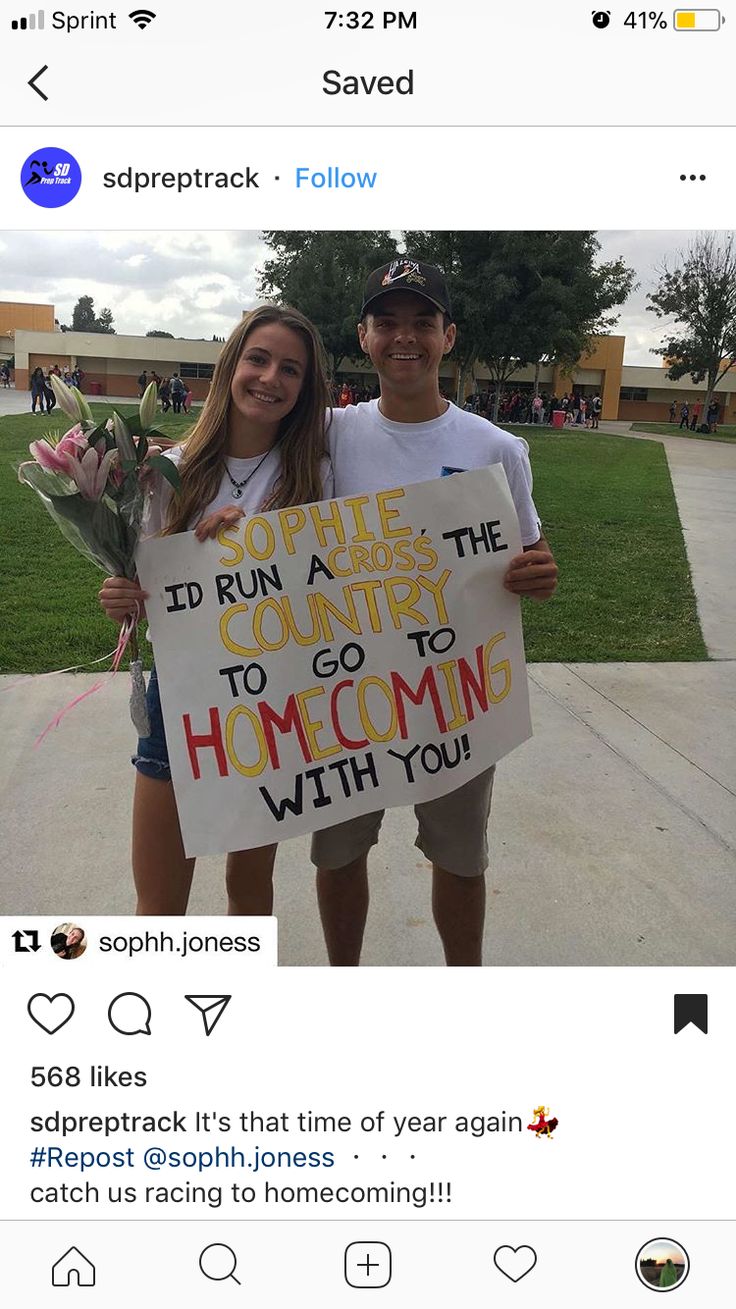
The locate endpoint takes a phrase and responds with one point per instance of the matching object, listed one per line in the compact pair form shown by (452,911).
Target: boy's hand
(533,573)
(213,523)
(120,597)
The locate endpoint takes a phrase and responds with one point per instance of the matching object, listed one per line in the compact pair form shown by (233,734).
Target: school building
(113,364)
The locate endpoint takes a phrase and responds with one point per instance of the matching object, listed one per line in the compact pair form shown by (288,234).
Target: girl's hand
(213,523)
(120,597)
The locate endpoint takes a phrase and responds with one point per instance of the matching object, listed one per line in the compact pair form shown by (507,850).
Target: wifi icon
(142,17)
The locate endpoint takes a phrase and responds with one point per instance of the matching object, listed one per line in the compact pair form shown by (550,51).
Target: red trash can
(94,388)
(558,418)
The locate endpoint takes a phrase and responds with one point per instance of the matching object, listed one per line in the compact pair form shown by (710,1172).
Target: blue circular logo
(51,177)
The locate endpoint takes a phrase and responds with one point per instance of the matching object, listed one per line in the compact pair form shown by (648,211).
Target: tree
(105,322)
(84,318)
(322,274)
(163,336)
(524,297)
(700,294)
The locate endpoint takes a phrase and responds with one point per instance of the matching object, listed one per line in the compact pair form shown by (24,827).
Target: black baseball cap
(407,274)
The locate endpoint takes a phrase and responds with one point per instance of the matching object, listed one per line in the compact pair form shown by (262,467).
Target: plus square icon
(368,1264)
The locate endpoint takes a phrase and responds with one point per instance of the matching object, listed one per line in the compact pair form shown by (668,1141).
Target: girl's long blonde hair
(301,438)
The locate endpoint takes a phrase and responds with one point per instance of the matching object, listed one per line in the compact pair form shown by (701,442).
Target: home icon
(73,1267)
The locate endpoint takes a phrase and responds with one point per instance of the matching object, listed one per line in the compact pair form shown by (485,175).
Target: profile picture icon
(662,1265)
(68,941)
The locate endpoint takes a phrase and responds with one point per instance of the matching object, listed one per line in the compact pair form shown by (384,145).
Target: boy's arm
(533,573)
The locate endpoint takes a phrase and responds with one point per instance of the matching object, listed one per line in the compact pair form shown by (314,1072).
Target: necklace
(238,486)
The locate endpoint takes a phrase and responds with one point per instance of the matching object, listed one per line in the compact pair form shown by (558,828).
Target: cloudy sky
(196,284)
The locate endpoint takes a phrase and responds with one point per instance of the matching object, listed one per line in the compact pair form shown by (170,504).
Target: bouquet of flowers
(93,482)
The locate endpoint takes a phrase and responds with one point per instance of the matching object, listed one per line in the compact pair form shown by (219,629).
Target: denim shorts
(152,756)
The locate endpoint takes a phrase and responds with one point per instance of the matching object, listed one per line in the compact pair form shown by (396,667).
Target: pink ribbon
(55,672)
(126,632)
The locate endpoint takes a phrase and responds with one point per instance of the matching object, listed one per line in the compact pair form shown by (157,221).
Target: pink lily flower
(56,457)
(91,473)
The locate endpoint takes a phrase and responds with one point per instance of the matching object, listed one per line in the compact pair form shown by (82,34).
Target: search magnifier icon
(218,1263)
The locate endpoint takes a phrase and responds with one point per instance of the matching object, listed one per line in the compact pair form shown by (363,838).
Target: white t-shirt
(254,496)
(371,453)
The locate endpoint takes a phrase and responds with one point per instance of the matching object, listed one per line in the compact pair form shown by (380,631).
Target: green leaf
(133,424)
(142,449)
(167,469)
(97,433)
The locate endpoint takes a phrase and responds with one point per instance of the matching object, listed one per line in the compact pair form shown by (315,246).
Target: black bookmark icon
(691,1009)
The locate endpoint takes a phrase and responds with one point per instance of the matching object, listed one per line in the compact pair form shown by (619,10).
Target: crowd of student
(690,415)
(173,392)
(43,399)
(524,407)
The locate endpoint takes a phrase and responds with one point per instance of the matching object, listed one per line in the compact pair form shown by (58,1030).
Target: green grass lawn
(608,510)
(725,433)
(609,513)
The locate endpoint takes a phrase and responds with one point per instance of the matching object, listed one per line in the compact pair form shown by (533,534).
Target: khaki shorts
(452,831)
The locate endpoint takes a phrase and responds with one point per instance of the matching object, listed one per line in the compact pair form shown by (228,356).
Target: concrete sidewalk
(613,831)
(19,402)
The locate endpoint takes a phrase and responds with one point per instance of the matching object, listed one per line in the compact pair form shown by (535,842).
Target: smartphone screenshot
(368,800)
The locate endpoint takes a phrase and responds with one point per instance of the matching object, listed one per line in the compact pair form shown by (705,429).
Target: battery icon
(698,20)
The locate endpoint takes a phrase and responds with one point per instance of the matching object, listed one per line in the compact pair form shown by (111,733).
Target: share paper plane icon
(211,1007)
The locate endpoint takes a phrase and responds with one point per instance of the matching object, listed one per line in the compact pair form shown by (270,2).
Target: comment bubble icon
(130,1014)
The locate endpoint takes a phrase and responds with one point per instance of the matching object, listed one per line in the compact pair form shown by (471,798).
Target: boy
(409,434)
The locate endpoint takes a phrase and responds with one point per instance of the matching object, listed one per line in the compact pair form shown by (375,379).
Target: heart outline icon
(515,1250)
(51,1000)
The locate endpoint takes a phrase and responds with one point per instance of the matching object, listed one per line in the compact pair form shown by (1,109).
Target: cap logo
(404,270)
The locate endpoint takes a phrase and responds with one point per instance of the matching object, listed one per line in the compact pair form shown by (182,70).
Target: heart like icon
(515,1261)
(51,1012)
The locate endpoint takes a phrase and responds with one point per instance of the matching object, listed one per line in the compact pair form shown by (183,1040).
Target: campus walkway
(19,402)
(613,832)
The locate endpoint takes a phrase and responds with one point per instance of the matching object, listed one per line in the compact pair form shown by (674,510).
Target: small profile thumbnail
(68,941)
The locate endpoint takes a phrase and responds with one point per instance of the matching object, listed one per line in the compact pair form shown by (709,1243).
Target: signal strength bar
(33,23)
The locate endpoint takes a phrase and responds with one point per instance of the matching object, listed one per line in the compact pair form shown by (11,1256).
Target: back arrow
(34,79)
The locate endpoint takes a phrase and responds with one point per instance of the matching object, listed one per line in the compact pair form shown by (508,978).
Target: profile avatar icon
(662,1264)
(68,941)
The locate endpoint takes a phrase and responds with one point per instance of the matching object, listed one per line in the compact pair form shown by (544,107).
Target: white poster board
(326,661)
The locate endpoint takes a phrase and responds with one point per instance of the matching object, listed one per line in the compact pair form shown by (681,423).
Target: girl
(258,444)
(38,390)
